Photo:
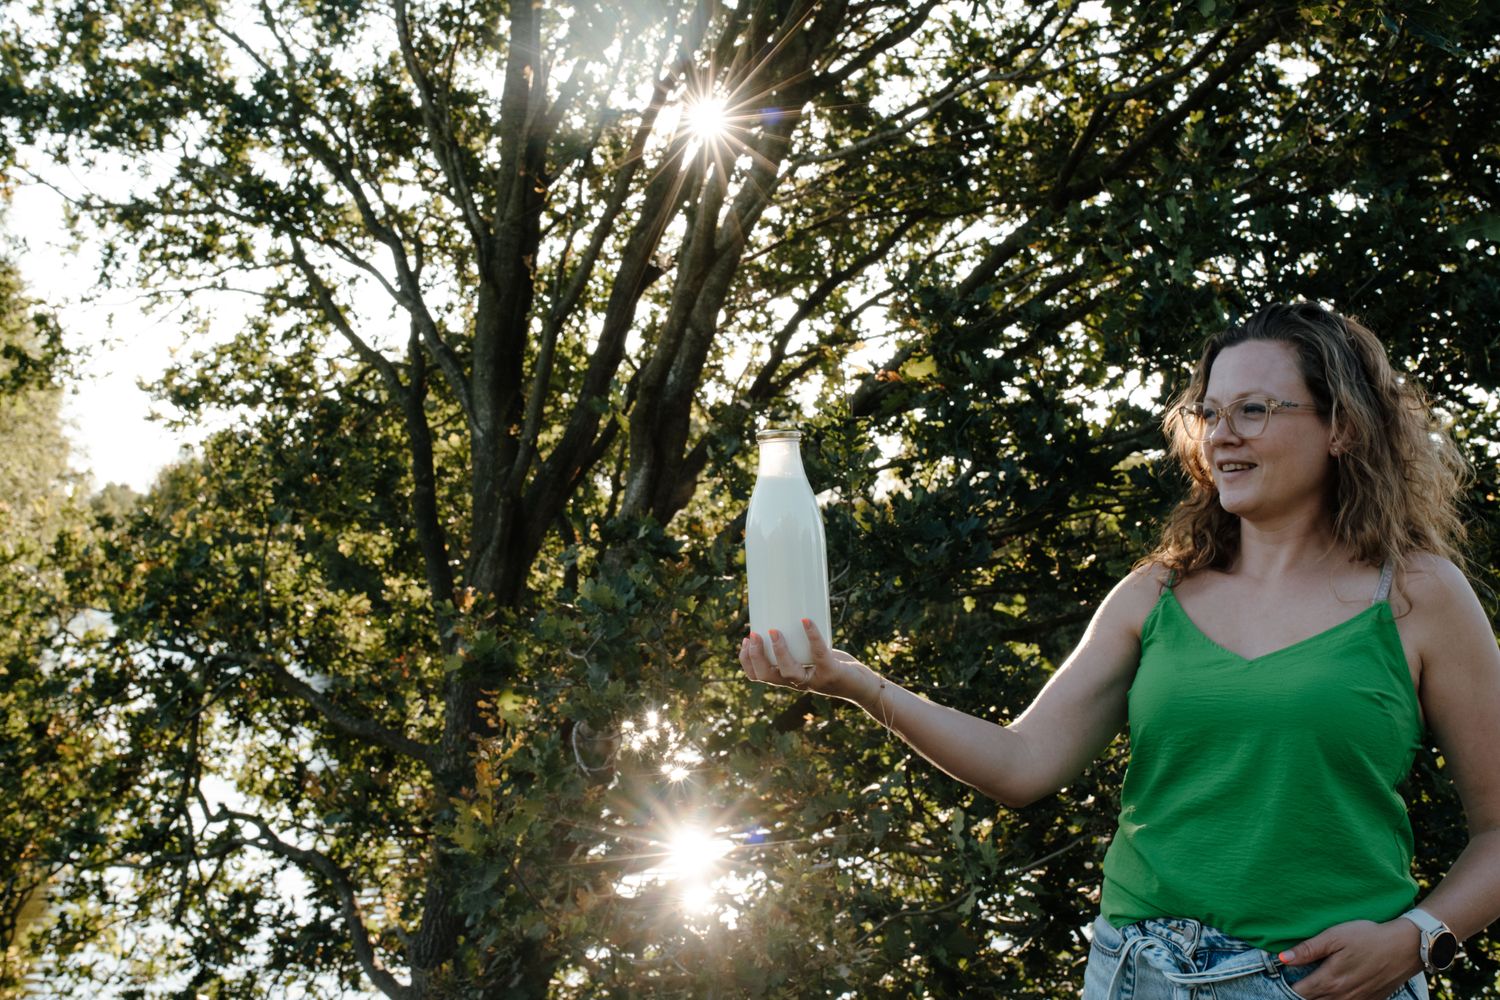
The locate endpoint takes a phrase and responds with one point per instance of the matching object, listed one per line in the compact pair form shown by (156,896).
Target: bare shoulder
(1446,618)
(1133,597)
(1437,590)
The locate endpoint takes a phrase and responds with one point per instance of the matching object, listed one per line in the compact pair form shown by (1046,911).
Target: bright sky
(108,413)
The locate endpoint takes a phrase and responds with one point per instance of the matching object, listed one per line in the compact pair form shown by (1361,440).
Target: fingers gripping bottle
(786,559)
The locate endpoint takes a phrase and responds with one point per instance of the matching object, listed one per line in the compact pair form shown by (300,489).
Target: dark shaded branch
(766,383)
(430,535)
(911,914)
(637,271)
(441,140)
(818,296)
(578,280)
(1201,96)
(711,258)
(887,40)
(998,257)
(358,726)
(410,292)
(1174,74)
(340,322)
(424,504)
(573,290)
(317,863)
(410,297)
(1104,113)
(922,111)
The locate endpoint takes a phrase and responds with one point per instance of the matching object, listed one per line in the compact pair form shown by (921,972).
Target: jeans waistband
(1169,943)
(1187,935)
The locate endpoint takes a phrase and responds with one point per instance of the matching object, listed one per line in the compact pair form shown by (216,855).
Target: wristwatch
(1439,944)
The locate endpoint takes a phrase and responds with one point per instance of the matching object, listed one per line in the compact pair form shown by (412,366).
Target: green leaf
(919,369)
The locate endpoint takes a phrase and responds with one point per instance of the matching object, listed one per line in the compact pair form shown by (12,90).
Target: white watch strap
(1432,928)
(1428,924)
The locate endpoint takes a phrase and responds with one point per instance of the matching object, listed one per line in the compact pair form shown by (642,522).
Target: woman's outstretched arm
(1069,723)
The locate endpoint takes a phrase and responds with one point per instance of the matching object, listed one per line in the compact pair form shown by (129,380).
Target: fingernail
(1285,957)
(775,635)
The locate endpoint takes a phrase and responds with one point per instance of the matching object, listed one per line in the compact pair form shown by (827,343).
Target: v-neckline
(1275,652)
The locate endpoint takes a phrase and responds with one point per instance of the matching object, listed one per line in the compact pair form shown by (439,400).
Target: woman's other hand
(1361,960)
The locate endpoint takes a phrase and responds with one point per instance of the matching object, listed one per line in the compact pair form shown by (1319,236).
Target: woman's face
(1284,472)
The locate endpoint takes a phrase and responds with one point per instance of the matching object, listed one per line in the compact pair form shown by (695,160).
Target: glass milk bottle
(786,559)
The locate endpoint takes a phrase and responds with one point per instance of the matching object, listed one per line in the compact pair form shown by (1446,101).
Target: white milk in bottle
(786,559)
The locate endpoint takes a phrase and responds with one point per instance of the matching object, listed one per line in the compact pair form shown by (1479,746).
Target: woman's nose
(1222,429)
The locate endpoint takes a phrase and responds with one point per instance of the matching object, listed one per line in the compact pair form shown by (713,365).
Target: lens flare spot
(692,853)
(707,118)
(698,898)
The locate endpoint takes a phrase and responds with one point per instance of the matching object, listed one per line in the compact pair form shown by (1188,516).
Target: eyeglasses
(1247,418)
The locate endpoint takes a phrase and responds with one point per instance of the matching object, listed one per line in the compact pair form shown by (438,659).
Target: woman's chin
(1234,503)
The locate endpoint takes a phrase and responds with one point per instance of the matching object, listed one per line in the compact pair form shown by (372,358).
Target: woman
(1276,659)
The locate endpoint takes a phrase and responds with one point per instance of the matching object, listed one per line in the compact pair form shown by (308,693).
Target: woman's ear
(1338,442)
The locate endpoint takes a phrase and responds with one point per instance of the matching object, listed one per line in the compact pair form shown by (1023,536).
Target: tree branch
(1201,96)
(410,297)
(411,292)
(636,272)
(642,244)
(424,504)
(316,862)
(335,315)
(998,257)
(885,41)
(1174,74)
(439,129)
(359,727)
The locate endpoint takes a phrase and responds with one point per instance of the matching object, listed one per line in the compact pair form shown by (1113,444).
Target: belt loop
(1183,933)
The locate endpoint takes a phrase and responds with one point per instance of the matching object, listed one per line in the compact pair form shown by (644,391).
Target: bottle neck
(781,459)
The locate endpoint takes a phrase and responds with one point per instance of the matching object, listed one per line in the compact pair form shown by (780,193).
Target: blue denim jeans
(1172,959)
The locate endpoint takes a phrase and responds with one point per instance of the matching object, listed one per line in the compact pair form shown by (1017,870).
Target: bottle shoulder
(781,489)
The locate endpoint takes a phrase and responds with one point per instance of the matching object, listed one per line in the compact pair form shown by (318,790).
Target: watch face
(1442,950)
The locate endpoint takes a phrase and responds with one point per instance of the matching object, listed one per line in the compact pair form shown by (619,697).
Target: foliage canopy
(414,678)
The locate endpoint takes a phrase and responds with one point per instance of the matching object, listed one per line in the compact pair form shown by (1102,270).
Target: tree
(36,515)
(427,625)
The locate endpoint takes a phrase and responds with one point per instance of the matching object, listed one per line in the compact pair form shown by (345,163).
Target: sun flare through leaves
(707,118)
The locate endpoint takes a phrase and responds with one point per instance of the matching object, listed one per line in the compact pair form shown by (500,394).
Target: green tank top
(1260,797)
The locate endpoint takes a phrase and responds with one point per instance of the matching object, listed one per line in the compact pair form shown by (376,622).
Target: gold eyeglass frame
(1192,416)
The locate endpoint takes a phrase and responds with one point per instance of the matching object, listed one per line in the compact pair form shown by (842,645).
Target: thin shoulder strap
(1387,572)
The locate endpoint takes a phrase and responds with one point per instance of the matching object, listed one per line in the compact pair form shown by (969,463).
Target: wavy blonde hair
(1399,472)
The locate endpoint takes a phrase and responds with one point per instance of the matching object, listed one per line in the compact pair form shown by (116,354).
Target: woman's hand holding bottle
(833,672)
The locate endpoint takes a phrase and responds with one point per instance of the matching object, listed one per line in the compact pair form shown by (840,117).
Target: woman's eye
(1208,413)
(1253,409)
